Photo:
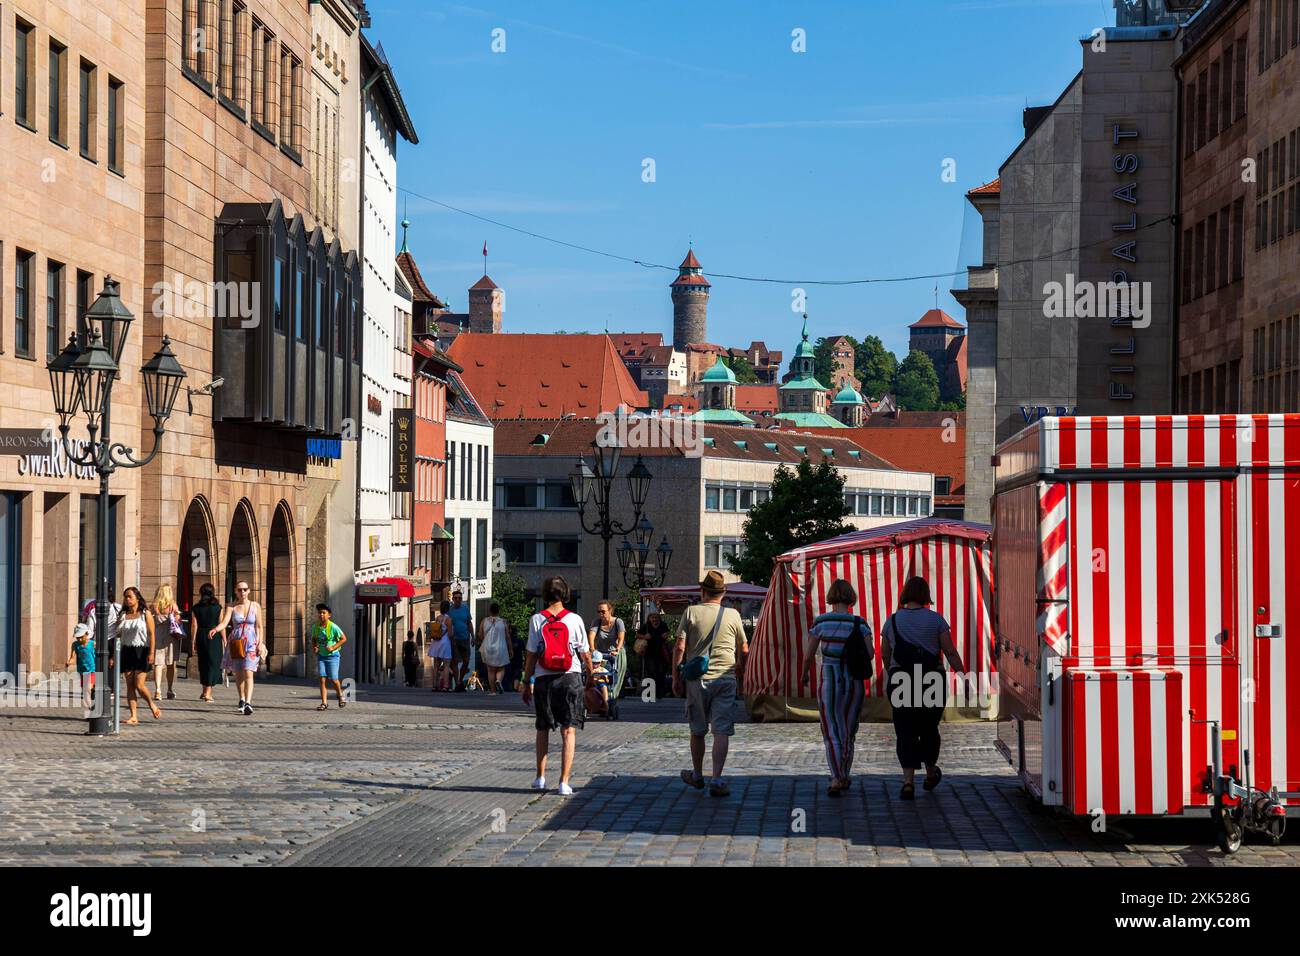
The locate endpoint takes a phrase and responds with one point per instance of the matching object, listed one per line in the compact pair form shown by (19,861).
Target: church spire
(406,224)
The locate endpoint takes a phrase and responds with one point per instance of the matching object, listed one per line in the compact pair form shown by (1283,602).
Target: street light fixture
(81,381)
(596,485)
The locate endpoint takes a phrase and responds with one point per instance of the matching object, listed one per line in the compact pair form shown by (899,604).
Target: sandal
(932,780)
(342,704)
(157,713)
(908,792)
(131,720)
(323,707)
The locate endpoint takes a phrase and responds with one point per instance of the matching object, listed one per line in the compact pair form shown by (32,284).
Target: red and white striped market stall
(953,556)
(1149,628)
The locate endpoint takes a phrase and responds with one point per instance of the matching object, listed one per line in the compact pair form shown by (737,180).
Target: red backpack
(556,654)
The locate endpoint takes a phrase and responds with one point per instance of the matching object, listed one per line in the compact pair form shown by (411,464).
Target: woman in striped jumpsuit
(839,695)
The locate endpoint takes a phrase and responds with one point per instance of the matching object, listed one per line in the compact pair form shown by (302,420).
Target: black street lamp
(81,381)
(595,486)
(639,571)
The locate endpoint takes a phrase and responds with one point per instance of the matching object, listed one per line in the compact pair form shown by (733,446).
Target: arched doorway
(196,560)
(282,625)
(241,552)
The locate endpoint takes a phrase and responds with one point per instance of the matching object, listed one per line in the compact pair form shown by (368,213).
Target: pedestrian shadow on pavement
(970,813)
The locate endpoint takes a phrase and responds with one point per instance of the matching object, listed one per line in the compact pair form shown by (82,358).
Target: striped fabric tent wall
(955,557)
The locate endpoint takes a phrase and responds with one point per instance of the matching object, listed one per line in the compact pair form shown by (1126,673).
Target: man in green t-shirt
(327,637)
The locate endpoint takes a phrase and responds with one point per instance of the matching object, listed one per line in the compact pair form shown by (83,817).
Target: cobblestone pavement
(409,777)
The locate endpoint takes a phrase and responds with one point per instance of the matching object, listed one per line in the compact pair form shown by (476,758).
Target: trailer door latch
(1268,631)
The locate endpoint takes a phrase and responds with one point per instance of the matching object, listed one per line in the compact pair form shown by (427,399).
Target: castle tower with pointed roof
(487,303)
(690,304)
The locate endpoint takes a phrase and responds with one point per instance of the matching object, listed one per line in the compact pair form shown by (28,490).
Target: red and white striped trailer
(1148,629)
(953,556)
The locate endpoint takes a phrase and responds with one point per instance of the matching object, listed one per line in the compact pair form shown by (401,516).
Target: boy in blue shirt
(328,637)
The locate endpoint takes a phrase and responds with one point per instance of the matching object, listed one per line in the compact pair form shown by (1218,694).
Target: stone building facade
(1214,73)
(226,134)
(71,214)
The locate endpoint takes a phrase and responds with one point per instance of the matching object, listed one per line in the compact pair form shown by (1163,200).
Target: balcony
(286,324)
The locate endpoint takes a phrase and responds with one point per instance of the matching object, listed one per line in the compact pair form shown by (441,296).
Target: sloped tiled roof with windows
(515,375)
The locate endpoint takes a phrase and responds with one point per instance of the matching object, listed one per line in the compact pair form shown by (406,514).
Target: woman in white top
(494,641)
(135,636)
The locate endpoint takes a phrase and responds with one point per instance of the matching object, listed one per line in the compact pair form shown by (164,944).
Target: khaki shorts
(711,705)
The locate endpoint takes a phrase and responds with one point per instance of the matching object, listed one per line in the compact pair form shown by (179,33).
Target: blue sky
(824,164)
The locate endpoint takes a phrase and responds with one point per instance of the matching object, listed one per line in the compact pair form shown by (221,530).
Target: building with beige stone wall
(71,199)
(228,200)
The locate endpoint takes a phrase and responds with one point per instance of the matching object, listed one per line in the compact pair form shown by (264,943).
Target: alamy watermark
(1127,303)
(651,431)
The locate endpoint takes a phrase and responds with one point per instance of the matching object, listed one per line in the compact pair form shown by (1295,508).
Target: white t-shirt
(577,641)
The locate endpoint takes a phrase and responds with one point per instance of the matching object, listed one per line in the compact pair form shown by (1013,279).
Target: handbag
(698,666)
(856,656)
(175,626)
(238,649)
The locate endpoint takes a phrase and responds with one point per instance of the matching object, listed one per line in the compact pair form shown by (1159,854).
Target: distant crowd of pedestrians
(560,661)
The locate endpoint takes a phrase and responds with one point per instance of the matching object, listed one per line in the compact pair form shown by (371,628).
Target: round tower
(690,304)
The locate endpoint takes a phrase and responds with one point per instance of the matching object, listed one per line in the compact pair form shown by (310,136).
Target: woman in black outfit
(204,616)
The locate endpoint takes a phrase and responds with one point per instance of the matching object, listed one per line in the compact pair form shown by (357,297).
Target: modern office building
(698,498)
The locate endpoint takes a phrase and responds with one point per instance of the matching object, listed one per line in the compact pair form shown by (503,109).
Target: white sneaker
(539,783)
(565,790)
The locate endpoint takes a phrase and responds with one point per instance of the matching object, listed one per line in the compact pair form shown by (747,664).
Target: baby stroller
(593,697)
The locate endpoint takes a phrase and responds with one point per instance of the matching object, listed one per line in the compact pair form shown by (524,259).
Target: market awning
(688,593)
(384,591)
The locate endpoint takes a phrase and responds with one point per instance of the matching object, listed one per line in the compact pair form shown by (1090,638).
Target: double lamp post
(82,382)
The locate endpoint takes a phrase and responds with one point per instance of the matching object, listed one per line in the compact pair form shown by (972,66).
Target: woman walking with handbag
(842,640)
(205,644)
(245,648)
(135,636)
(914,642)
(168,637)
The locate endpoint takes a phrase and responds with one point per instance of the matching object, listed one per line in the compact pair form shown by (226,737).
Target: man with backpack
(558,653)
(708,660)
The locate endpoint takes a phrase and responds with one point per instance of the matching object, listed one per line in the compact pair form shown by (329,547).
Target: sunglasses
(241,589)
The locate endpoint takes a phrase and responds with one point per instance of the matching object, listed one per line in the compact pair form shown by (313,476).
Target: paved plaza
(407,777)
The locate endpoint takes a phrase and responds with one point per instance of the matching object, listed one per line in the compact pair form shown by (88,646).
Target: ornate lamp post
(595,486)
(81,381)
(640,571)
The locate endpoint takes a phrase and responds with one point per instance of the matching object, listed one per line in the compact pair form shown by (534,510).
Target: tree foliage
(508,589)
(806,505)
(743,369)
(917,385)
(876,367)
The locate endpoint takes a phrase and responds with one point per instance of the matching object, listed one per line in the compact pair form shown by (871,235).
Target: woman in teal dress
(204,616)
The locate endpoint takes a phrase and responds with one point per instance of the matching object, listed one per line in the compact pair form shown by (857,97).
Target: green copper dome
(719,373)
(848,396)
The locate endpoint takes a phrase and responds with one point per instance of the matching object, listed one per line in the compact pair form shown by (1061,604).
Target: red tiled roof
(658,356)
(419,291)
(688,403)
(988,189)
(757,398)
(915,419)
(571,437)
(690,262)
(632,344)
(483,283)
(513,375)
(913,448)
(691,280)
(936,318)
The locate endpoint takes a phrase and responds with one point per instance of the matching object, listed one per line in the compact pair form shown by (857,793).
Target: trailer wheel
(1229,833)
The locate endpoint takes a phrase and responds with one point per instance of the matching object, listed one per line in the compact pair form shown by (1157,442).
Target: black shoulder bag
(856,655)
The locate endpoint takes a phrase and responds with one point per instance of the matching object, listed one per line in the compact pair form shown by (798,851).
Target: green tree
(957,404)
(743,369)
(806,505)
(508,591)
(917,384)
(876,367)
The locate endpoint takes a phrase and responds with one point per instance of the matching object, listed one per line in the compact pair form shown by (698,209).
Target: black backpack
(856,654)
